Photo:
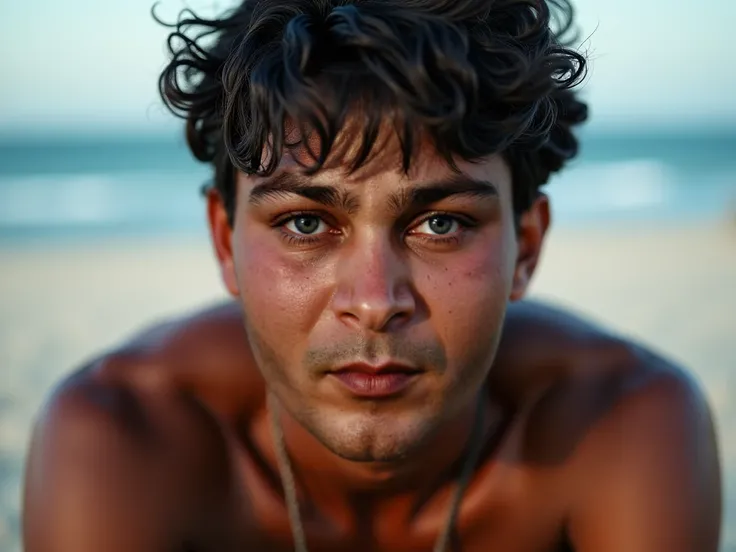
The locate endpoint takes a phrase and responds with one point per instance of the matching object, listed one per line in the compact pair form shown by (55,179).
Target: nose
(374,290)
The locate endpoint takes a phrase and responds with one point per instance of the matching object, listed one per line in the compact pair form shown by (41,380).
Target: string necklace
(292,504)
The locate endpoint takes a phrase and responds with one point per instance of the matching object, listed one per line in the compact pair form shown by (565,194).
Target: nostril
(350,318)
(397,317)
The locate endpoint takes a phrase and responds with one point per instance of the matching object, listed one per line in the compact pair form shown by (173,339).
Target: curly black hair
(476,77)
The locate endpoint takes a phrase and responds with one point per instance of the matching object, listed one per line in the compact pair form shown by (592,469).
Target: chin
(372,437)
(373,452)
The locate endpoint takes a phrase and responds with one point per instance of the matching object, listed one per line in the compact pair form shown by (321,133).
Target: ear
(532,228)
(221,236)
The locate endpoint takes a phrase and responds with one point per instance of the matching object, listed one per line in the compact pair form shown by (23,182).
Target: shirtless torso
(164,445)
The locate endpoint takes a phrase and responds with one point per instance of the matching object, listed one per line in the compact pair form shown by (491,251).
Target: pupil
(440,225)
(306,225)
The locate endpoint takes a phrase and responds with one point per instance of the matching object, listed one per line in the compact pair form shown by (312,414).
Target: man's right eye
(306,225)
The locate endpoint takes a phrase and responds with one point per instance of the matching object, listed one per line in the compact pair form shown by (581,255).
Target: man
(376,209)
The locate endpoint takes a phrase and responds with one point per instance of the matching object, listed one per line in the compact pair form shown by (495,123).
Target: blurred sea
(84,188)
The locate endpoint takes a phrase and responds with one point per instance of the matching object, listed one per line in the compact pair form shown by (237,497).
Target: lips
(369,381)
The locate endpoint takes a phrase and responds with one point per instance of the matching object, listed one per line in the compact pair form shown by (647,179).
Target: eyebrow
(422,196)
(293,183)
(400,201)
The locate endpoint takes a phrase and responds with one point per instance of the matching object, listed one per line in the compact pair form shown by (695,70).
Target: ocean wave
(94,200)
(48,200)
(641,188)
(613,186)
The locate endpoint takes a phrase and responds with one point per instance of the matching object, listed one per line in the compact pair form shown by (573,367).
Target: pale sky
(94,63)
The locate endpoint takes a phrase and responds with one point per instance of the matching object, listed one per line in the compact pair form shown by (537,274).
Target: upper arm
(652,477)
(91,482)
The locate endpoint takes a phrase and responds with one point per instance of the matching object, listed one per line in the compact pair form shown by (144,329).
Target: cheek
(468,297)
(282,297)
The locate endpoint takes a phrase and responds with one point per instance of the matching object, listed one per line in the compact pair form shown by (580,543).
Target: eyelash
(464,222)
(294,239)
(290,237)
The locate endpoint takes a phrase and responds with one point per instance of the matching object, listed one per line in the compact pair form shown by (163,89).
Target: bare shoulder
(581,379)
(640,405)
(649,453)
(204,353)
(628,433)
(124,454)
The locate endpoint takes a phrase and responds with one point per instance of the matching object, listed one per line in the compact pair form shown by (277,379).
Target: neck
(346,491)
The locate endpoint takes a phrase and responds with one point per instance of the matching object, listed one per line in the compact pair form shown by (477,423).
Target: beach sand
(673,288)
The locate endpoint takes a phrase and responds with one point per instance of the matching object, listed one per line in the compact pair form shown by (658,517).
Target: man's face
(374,301)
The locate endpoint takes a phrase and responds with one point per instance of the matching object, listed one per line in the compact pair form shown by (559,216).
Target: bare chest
(505,510)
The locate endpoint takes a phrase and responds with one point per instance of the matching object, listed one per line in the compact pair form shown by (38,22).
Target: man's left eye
(439,225)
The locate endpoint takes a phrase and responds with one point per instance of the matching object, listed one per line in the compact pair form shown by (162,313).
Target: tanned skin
(592,443)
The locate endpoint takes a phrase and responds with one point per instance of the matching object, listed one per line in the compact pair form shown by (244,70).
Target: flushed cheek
(467,301)
(282,297)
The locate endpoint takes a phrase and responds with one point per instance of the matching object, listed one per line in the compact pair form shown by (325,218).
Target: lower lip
(375,385)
